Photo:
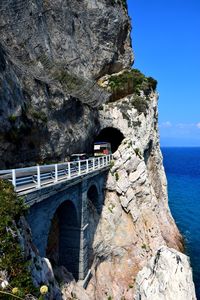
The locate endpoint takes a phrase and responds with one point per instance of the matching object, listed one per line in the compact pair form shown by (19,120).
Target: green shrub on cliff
(11,257)
(152,83)
(138,152)
(140,104)
(123,2)
(130,82)
(40,115)
(12,118)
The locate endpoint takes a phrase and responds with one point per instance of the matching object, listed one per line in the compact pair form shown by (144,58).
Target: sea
(182,167)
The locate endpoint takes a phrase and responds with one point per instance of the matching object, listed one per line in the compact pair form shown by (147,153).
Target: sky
(166,44)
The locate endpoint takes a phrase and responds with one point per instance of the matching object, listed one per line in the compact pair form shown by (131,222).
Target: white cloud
(181,127)
(185,125)
(166,124)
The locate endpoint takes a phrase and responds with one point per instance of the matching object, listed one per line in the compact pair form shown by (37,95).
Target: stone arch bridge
(65,202)
(59,218)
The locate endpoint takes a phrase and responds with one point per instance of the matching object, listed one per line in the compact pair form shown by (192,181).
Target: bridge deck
(25,180)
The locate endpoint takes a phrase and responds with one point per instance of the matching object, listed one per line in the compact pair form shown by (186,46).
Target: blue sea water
(182,166)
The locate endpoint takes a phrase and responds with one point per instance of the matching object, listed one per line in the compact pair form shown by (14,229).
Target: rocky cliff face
(153,282)
(53,102)
(51,53)
(136,219)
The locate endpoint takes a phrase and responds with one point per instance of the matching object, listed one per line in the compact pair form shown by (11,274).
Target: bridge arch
(95,204)
(64,219)
(63,246)
(111,135)
(93,195)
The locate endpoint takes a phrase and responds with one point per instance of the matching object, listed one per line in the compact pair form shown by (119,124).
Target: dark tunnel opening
(110,135)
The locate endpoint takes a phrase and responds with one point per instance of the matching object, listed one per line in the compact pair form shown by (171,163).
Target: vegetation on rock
(140,104)
(12,118)
(123,2)
(138,152)
(11,255)
(130,82)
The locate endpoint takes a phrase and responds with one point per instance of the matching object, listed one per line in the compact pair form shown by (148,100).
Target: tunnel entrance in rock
(110,135)
(63,246)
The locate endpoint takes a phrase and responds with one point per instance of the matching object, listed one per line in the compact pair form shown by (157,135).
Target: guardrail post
(14,178)
(93,164)
(38,177)
(106,160)
(56,173)
(87,166)
(98,162)
(79,167)
(69,170)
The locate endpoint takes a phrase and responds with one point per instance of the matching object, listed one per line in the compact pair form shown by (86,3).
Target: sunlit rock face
(166,276)
(51,54)
(135,220)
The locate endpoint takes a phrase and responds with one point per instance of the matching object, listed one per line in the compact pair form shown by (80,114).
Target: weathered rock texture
(51,53)
(136,219)
(153,282)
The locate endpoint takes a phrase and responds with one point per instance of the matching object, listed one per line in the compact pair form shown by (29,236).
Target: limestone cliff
(57,93)
(153,282)
(136,219)
(51,53)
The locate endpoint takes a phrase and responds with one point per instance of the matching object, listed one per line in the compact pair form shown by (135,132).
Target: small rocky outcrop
(167,276)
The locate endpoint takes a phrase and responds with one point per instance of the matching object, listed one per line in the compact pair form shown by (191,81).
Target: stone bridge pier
(63,220)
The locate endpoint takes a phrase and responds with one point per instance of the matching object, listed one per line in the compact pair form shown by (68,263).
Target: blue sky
(166,43)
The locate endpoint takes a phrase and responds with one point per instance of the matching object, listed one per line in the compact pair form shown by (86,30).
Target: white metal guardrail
(30,178)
